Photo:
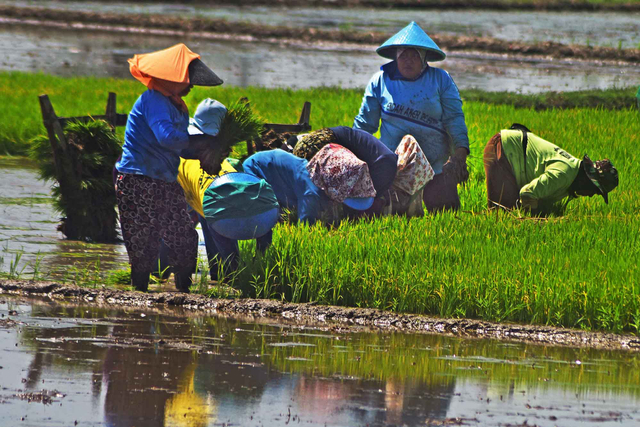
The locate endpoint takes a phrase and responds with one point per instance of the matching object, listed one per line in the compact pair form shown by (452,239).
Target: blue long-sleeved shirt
(290,180)
(429,108)
(382,162)
(155,135)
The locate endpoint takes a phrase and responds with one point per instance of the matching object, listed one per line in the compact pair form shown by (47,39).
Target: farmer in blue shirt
(151,203)
(290,180)
(314,189)
(409,97)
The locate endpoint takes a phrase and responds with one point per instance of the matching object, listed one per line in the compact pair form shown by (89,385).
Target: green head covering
(237,195)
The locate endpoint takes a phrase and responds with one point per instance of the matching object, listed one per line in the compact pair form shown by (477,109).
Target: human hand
(456,167)
(528,203)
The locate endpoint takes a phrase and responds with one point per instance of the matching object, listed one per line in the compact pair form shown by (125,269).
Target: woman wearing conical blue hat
(408,96)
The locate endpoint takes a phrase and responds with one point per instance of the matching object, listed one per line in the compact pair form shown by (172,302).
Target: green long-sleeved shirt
(549,172)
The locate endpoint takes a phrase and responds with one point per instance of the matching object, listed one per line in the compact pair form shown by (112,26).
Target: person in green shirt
(525,170)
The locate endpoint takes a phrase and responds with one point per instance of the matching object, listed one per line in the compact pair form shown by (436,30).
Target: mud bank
(344,319)
(571,5)
(140,23)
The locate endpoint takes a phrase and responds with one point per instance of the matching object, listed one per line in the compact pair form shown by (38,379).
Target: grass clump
(82,172)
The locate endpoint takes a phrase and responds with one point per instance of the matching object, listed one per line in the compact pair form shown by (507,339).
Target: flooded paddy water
(596,29)
(64,363)
(28,236)
(62,51)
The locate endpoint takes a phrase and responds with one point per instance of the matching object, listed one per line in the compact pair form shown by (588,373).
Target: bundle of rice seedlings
(239,124)
(83,189)
(313,142)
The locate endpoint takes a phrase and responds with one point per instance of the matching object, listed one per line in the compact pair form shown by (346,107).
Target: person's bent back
(523,168)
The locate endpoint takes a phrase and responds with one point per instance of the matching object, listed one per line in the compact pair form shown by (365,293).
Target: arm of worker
(453,116)
(164,127)
(196,144)
(309,208)
(553,184)
(368,119)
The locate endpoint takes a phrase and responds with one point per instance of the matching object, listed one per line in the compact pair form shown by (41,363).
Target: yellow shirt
(194,181)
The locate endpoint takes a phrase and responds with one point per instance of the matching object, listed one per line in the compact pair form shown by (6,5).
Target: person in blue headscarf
(408,96)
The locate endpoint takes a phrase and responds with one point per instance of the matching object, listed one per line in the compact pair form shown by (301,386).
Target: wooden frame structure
(55,125)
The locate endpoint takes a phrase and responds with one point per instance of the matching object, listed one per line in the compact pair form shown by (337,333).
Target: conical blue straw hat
(411,36)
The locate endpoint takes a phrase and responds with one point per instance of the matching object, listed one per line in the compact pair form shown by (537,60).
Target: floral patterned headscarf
(414,170)
(340,174)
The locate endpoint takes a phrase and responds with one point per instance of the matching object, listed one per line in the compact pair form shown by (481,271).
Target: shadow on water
(101,366)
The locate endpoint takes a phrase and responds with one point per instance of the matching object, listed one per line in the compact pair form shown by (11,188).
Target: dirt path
(344,319)
(140,23)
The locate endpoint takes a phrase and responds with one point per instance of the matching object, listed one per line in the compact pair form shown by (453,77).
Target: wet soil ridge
(571,5)
(339,316)
(46,397)
(26,15)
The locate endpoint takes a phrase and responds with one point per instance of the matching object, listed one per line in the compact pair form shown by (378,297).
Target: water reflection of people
(392,401)
(410,97)
(152,205)
(146,384)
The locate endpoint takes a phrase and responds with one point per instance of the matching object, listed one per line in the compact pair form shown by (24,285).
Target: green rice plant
(83,190)
(36,266)
(239,124)
(15,272)
(118,277)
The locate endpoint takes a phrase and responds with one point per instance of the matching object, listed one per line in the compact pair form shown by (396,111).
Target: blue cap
(245,204)
(411,36)
(359,203)
(208,118)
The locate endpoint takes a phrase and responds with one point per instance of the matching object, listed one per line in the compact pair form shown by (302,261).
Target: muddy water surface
(244,63)
(65,363)
(28,228)
(595,29)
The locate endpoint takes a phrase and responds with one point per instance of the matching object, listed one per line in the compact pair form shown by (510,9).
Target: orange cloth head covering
(166,71)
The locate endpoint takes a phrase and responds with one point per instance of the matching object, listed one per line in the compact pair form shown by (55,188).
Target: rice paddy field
(579,269)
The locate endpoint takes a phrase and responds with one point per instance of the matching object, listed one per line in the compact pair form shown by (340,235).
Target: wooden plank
(110,112)
(306,113)
(52,124)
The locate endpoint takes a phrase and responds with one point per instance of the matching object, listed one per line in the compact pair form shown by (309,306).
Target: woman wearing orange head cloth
(152,204)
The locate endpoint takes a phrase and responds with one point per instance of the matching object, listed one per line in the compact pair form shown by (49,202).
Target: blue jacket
(155,135)
(429,108)
(290,180)
(382,162)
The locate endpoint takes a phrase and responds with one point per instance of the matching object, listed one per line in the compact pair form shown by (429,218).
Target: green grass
(21,120)
(578,270)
